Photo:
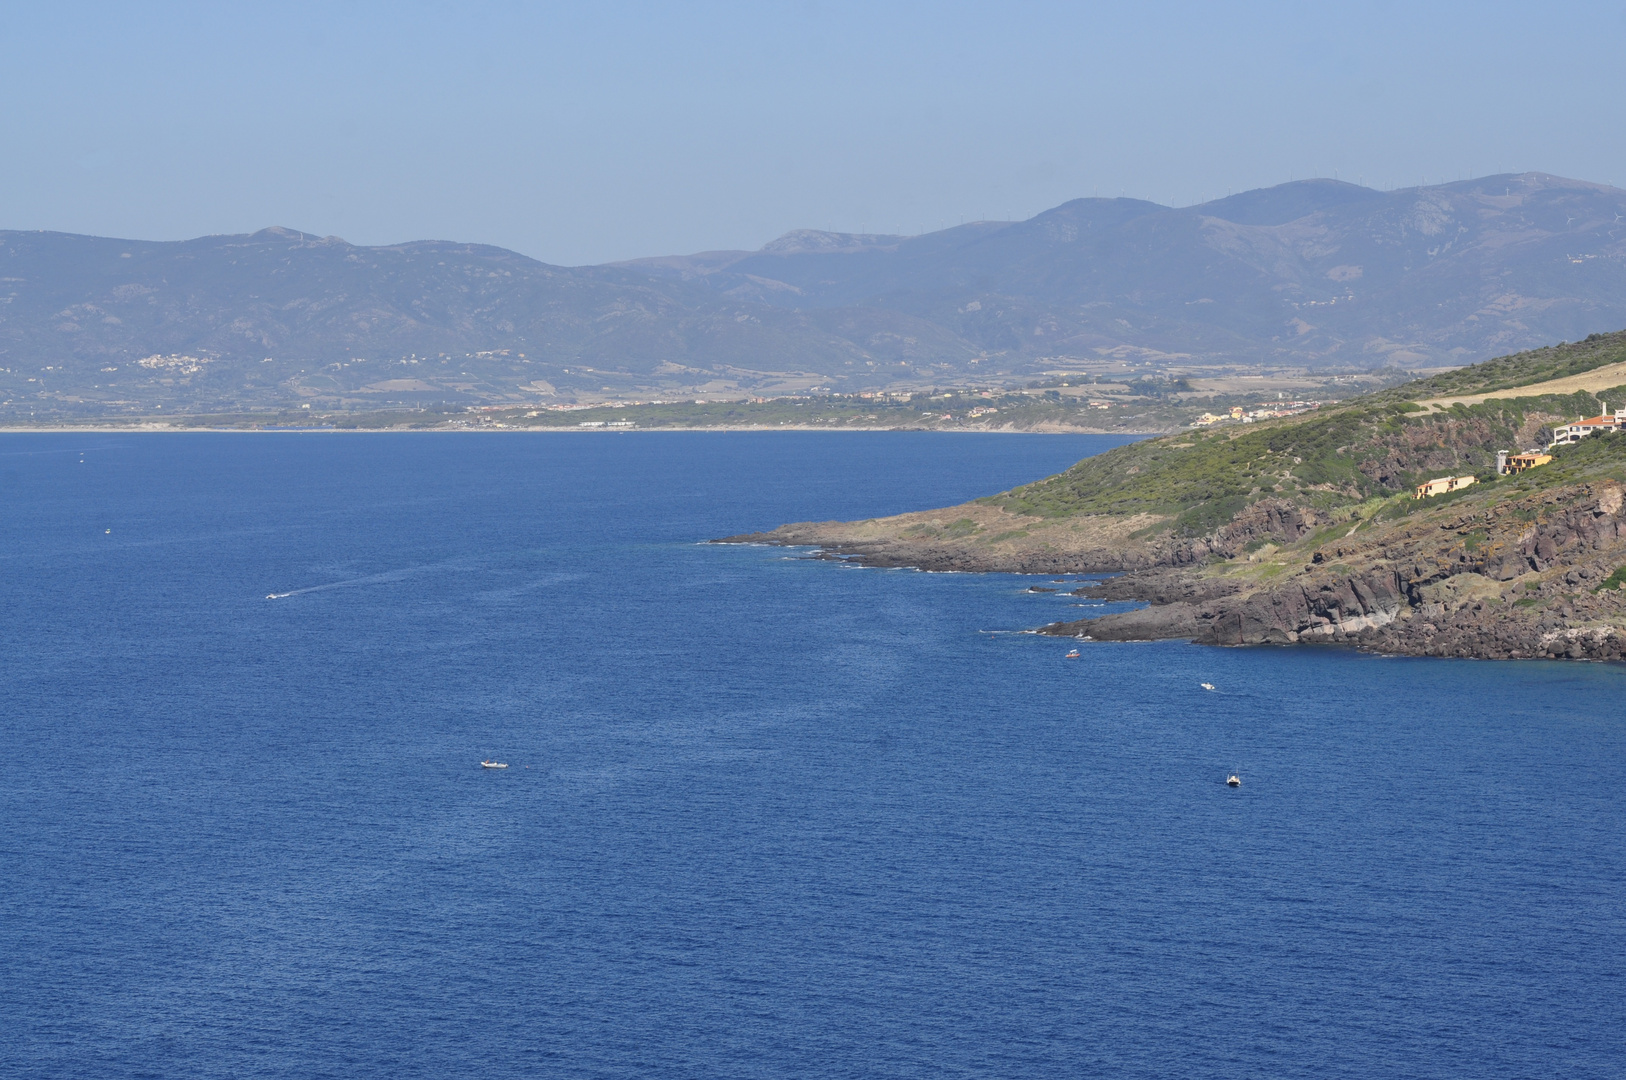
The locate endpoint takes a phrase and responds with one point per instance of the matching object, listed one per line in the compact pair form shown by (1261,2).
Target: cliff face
(1517,579)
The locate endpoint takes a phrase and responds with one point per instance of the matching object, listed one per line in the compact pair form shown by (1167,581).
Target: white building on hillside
(1566,434)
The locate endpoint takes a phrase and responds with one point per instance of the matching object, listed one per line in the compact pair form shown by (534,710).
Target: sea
(764,815)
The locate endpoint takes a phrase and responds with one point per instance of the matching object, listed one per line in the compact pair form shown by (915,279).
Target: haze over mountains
(1315,273)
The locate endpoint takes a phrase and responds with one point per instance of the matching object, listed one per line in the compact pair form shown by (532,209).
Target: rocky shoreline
(1516,578)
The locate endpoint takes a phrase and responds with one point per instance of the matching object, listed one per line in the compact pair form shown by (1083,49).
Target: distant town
(1056,406)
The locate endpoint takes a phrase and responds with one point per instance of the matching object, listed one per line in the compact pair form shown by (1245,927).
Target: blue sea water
(765,816)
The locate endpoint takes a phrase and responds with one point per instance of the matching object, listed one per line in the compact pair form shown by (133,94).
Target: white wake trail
(384,578)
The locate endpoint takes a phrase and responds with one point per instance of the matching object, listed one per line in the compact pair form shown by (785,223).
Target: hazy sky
(586,132)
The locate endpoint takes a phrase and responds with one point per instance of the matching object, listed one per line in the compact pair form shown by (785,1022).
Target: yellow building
(1517,463)
(1442,485)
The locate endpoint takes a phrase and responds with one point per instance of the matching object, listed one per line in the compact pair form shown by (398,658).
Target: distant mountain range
(1316,273)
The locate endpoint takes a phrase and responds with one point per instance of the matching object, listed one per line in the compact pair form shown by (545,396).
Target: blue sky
(589,132)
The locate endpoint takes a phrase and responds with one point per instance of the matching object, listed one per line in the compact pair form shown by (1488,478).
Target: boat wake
(385,578)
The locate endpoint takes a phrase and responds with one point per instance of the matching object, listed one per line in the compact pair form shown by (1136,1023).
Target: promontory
(1410,521)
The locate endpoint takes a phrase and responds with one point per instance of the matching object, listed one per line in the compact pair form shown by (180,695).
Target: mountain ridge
(1316,273)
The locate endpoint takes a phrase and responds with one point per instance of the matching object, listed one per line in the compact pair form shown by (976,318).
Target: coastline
(168,429)
(1505,575)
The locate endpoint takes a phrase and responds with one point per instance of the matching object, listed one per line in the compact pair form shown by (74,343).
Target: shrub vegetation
(1369,448)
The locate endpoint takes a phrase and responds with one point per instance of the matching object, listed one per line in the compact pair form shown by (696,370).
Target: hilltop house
(1567,434)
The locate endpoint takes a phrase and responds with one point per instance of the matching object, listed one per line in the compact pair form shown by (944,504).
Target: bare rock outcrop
(1521,579)
(1332,610)
(1159,586)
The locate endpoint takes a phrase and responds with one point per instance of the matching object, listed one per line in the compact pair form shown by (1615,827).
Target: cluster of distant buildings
(174,363)
(1262,412)
(617,404)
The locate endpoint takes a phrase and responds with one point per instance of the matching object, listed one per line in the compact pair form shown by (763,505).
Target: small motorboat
(1072,655)
(493,765)
(1233,780)
(1206,685)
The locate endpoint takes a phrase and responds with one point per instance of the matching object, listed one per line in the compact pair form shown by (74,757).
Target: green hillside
(1372,447)
(1521,369)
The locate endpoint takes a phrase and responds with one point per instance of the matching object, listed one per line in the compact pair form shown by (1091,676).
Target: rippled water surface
(765,816)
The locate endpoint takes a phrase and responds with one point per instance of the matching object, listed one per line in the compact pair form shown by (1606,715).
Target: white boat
(1233,780)
(493,765)
(1207,685)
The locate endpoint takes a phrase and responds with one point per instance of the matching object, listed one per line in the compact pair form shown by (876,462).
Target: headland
(1311,528)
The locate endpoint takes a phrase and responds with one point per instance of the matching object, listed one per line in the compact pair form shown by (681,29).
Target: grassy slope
(1521,369)
(1371,447)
